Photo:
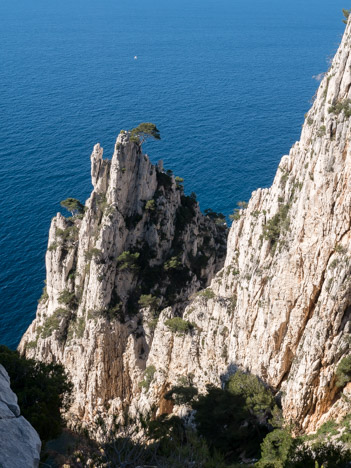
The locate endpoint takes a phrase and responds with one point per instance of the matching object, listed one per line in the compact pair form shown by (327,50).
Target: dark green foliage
(207,293)
(68,298)
(179,181)
(69,234)
(76,327)
(178,325)
(277,225)
(143,131)
(164,180)
(343,372)
(258,399)
(172,263)
(341,106)
(148,377)
(52,323)
(323,455)
(93,253)
(346,14)
(42,390)
(276,449)
(73,205)
(150,205)
(236,213)
(148,300)
(185,213)
(53,246)
(128,261)
(224,423)
(44,296)
(218,218)
(182,395)
(235,420)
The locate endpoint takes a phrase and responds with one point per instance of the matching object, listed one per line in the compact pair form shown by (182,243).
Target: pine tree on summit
(73,205)
(144,131)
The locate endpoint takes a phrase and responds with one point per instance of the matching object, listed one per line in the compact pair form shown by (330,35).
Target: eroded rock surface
(279,308)
(19,442)
(141,245)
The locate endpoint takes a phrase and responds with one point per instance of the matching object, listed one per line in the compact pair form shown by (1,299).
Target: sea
(227,82)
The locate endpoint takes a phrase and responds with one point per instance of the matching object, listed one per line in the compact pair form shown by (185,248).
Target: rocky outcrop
(140,245)
(19,442)
(280,307)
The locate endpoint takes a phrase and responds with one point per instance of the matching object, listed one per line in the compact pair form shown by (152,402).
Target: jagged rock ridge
(141,245)
(281,306)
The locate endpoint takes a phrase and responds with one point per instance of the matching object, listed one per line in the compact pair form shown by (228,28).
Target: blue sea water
(226,81)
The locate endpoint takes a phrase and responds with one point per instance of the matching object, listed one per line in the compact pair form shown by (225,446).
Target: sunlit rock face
(280,306)
(140,246)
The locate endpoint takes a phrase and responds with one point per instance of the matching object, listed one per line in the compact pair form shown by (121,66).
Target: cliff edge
(279,308)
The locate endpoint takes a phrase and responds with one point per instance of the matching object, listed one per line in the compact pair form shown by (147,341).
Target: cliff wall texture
(19,442)
(280,306)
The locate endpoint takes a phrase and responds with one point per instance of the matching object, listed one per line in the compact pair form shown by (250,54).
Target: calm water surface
(227,82)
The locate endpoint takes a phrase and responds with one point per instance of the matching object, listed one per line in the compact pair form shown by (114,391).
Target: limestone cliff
(19,442)
(279,308)
(139,246)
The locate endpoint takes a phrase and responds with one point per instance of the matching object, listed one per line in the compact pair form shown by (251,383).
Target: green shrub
(128,261)
(275,449)
(44,296)
(43,390)
(76,327)
(148,300)
(227,426)
(346,14)
(343,372)
(322,130)
(52,323)
(150,205)
(148,377)
(92,253)
(144,131)
(328,428)
(72,205)
(68,234)
(68,299)
(172,264)
(277,225)
(182,395)
(341,106)
(53,246)
(153,323)
(207,293)
(178,325)
(179,181)
(218,218)
(258,399)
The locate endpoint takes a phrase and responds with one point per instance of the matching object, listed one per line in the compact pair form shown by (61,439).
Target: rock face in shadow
(19,442)
(280,307)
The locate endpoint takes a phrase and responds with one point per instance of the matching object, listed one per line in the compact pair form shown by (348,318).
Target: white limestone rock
(19,442)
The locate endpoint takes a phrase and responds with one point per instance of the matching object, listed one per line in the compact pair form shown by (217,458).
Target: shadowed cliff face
(279,308)
(141,245)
